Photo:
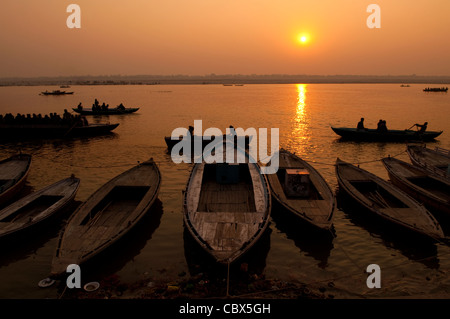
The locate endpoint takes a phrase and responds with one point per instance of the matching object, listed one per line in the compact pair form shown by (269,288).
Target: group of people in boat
(47,119)
(96,107)
(382,128)
(436,89)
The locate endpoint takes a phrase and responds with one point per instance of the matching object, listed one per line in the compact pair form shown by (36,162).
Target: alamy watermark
(213,146)
(74,19)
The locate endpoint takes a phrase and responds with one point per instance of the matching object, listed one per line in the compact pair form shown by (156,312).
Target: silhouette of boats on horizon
(55,92)
(442,89)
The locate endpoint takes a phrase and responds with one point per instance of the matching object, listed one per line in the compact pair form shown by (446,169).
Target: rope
(357,163)
(228,280)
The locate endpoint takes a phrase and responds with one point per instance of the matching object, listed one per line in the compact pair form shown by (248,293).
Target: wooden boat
(13,174)
(227,206)
(110,111)
(388,136)
(424,186)
(443,89)
(26,131)
(107,215)
(204,141)
(386,200)
(56,92)
(434,160)
(301,189)
(37,207)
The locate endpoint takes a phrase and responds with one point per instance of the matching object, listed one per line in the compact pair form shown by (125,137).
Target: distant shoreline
(223,79)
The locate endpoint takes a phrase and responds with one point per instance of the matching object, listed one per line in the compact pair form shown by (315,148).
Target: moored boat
(31,131)
(300,188)
(386,200)
(369,135)
(107,215)
(434,160)
(227,206)
(13,174)
(37,207)
(428,188)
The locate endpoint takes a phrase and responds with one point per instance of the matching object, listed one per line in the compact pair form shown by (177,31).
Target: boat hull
(107,215)
(16,181)
(107,112)
(423,194)
(34,209)
(14,132)
(226,220)
(372,135)
(387,201)
(318,206)
(434,161)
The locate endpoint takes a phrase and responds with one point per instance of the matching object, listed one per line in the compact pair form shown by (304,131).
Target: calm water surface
(158,249)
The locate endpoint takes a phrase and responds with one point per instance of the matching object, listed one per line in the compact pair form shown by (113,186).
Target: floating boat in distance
(13,174)
(434,160)
(107,215)
(386,200)
(37,207)
(56,92)
(109,111)
(226,206)
(442,89)
(372,135)
(301,189)
(424,186)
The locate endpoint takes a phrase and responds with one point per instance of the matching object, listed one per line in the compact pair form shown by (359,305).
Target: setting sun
(303,39)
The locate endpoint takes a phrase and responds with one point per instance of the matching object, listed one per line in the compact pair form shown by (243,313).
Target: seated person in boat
(422,127)
(80,107)
(121,107)
(381,126)
(360,125)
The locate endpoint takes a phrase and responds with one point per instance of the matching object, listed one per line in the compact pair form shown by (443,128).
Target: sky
(200,37)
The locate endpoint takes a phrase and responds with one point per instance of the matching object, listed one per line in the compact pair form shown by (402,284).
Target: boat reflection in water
(309,239)
(414,247)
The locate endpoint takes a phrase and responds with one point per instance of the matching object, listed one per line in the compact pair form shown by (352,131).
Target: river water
(158,249)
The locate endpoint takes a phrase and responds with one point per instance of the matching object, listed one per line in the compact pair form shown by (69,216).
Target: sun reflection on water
(300,132)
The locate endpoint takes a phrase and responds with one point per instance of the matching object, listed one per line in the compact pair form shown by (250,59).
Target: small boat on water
(37,207)
(301,189)
(107,215)
(373,135)
(386,200)
(31,131)
(434,160)
(56,92)
(109,111)
(428,188)
(226,206)
(13,174)
(440,89)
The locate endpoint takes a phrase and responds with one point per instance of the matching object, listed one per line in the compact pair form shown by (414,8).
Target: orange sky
(199,37)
